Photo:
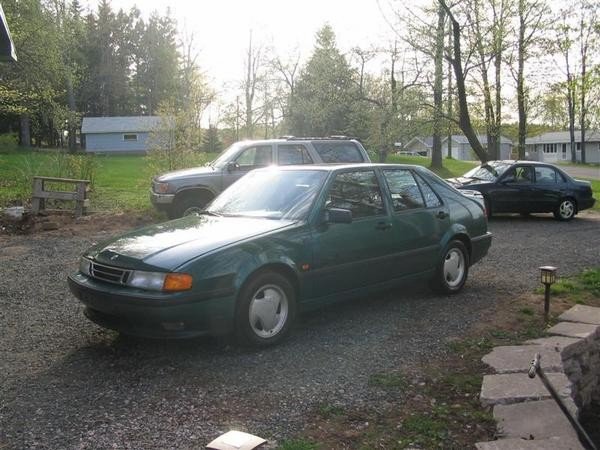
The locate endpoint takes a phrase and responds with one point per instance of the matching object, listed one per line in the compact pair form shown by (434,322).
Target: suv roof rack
(317,138)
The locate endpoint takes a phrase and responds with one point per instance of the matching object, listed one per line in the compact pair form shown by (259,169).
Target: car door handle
(383,226)
(442,215)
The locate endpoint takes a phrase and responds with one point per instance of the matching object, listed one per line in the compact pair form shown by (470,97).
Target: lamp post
(548,278)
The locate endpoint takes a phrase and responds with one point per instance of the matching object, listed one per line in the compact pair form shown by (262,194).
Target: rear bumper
(154,315)
(480,246)
(586,203)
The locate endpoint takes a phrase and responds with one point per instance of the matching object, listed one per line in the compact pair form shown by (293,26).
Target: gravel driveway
(65,383)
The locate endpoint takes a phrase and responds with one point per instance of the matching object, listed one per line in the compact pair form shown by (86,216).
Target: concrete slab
(557,443)
(506,389)
(583,314)
(572,329)
(517,358)
(568,346)
(533,420)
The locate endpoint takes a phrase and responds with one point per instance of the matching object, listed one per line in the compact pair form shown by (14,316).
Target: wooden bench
(40,194)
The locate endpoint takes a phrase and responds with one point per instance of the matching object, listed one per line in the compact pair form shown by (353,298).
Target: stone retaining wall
(527,417)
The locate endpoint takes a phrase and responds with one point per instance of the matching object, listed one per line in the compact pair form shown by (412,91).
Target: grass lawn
(596,192)
(451,167)
(121,182)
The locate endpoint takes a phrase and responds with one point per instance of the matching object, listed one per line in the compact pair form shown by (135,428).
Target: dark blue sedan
(527,187)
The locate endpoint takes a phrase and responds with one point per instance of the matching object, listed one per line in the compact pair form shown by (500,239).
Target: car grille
(108,273)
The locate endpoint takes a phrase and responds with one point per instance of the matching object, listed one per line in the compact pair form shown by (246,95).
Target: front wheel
(266,310)
(566,209)
(452,270)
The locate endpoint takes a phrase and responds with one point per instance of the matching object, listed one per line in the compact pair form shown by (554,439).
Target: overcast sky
(221,27)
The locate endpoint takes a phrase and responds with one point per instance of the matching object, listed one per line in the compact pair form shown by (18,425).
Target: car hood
(171,244)
(189,173)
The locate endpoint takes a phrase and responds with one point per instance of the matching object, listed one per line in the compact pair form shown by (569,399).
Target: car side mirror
(338,215)
(232,166)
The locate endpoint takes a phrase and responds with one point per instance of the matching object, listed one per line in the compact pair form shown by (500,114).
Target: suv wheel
(190,204)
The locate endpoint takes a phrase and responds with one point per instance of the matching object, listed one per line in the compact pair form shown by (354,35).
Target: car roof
(520,161)
(341,166)
(292,139)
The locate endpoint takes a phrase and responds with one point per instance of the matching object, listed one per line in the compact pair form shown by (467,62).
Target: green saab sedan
(280,241)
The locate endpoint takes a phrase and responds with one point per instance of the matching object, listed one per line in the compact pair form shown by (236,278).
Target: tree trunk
(521,83)
(436,150)
(72,126)
(464,117)
(25,131)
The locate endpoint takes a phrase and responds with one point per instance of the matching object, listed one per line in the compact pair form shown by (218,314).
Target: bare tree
(464,118)
(253,69)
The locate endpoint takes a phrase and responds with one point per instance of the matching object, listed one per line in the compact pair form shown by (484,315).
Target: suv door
(248,159)
(349,256)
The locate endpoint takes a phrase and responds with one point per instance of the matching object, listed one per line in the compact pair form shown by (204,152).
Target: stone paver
(567,346)
(572,329)
(505,389)
(538,420)
(517,358)
(560,443)
(583,314)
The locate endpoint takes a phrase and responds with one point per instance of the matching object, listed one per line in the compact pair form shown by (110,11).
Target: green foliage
(211,143)
(298,444)
(8,142)
(327,410)
(586,282)
(324,91)
(389,380)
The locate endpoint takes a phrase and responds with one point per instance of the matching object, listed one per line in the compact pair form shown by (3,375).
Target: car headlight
(160,281)
(84,266)
(161,188)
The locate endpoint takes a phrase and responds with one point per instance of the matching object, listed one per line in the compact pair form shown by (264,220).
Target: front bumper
(480,246)
(154,314)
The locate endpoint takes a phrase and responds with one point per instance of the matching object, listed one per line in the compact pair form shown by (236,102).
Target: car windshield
(271,194)
(226,155)
(487,172)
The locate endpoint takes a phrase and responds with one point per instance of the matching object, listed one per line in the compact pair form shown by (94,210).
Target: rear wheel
(566,209)
(266,309)
(453,269)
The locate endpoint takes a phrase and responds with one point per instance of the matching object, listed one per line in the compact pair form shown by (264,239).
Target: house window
(130,137)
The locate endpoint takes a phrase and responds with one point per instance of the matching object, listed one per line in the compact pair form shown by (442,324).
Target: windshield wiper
(209,213)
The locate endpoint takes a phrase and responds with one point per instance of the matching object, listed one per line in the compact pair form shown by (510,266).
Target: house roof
(562,137)
(7,48)
(457,138)
(462,139)
(123,124)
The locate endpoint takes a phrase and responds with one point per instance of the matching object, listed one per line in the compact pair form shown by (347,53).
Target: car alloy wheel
(566,209)
(453,269)
(266,309)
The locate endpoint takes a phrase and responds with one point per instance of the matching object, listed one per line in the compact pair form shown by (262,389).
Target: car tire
(566,209)
(453,269)
(266,310)
(190,204)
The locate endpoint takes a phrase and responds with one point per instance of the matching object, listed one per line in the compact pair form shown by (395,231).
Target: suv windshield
(487,172)
(271,194)
(227,155)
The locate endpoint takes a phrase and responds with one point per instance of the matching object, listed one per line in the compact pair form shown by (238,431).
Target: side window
(253,157)
(524,174)
(431,198)
(404,190)
(357,191)
(520,175)
(545,175)
(339,152)
(293,154)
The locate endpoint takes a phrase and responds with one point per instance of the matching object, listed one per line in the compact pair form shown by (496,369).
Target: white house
(118,134)
(556,146)
(461,149)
